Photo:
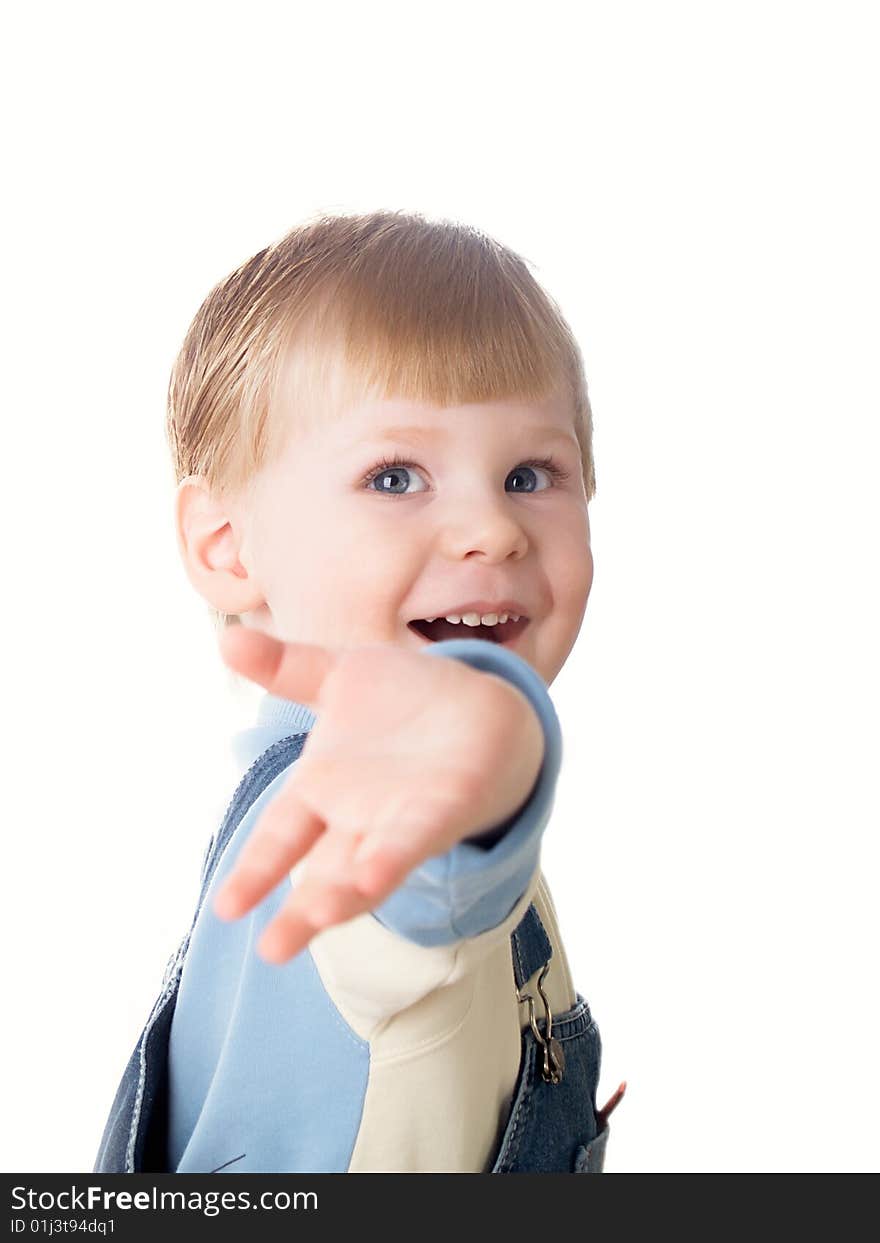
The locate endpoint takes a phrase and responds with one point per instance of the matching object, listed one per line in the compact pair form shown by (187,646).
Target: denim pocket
(590,1157)
(548,1122)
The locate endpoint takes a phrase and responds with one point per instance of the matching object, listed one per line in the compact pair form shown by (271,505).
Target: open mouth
(440,628)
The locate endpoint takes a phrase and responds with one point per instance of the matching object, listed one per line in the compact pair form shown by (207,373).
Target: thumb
(291,670)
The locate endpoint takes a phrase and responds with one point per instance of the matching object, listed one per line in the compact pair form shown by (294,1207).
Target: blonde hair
(430,310)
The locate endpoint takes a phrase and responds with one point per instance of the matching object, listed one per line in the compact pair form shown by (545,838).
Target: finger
(329,891)
(381,867)
(283,834)
(291,670)
(367,862)
(416,829)
(313,905)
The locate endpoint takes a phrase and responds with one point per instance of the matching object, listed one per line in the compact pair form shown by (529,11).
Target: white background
(697,184)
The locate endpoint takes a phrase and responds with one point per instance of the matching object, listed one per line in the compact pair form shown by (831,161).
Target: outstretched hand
(407,756)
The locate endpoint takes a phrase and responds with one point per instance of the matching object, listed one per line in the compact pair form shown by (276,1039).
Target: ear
(209,537)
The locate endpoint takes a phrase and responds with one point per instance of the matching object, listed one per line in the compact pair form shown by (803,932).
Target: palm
(357,827)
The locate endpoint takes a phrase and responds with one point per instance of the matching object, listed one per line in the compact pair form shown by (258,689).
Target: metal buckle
(554,1059)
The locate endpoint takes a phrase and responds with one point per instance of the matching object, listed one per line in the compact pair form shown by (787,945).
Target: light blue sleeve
(474,886)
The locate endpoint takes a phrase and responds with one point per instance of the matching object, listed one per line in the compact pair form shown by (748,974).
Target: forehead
(405,418)
(427,425)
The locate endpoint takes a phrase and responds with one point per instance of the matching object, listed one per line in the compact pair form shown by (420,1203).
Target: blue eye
(528,468)
(397,473)
(393,475)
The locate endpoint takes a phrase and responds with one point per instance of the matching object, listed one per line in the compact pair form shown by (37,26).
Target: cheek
(307,538)
(570,563)
(588,572)
(349,574)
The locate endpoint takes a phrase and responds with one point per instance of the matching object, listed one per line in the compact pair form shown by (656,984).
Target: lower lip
(468,632)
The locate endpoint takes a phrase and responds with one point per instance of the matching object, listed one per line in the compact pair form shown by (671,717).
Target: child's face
(344,560)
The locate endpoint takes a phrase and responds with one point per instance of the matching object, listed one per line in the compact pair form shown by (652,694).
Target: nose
(483,526)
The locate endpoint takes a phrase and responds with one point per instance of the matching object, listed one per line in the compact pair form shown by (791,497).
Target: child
(382,441)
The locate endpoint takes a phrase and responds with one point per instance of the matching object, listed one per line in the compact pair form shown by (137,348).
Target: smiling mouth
(439,629)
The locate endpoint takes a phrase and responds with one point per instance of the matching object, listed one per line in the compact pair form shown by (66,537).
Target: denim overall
(553,1126)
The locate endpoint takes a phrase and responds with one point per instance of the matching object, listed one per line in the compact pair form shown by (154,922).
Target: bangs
(453,322)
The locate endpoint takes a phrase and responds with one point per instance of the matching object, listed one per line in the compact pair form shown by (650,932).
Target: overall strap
(134,1134)
(262,773)
(530,946)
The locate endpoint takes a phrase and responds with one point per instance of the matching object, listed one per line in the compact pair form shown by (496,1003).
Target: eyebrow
(429,433)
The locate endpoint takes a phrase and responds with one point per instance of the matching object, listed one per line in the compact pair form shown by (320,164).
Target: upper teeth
(476,619)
